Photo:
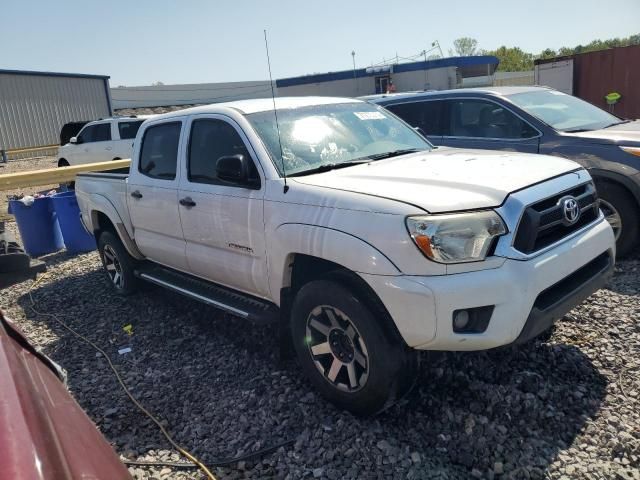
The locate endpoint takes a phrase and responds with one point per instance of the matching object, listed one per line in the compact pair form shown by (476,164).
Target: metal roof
(468,66)
(53,74)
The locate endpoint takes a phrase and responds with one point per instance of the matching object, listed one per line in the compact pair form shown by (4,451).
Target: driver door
(223,222)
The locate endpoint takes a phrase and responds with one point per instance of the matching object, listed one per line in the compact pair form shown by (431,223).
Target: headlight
(632,150)
(456,237)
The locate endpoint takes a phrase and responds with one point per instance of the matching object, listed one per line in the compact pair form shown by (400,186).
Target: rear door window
(426,114)
(128,130)
(159,151)
(476,118)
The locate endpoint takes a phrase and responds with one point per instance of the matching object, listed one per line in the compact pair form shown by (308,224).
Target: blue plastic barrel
(76,238)
(38,226)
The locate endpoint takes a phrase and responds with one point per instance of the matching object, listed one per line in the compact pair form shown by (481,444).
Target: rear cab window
(159,151)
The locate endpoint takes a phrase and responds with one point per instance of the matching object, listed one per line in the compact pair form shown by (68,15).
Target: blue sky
(137,42)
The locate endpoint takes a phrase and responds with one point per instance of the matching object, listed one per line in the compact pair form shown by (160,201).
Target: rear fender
(101,204)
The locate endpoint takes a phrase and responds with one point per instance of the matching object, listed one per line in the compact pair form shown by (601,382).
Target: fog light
(472,320)
(460,320)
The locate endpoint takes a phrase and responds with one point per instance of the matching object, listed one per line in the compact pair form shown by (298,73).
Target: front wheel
(345,351)
(621,211)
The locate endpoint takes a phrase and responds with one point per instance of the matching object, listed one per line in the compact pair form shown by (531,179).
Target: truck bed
(93,189)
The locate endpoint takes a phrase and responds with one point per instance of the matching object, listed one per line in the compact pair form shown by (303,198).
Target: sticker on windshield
(369,115)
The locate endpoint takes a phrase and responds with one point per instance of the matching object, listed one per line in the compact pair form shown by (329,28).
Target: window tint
(426,115)
(483,119)
(100,132)
(210,140)
(86,135)
(128,130)
(159,151)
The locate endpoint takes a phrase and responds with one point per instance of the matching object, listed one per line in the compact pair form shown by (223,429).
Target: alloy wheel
(112,266)
(337,348)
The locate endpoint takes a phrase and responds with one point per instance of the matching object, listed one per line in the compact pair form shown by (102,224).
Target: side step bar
(223,298)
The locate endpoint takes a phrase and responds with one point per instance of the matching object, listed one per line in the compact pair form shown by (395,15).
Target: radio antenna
(275,113)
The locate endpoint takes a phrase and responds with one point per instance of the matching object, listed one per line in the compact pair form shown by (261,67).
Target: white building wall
(335,88)
(436,79)
(34,107)
(431,79)
(187,94)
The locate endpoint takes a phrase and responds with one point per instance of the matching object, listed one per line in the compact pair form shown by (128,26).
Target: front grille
(543,223)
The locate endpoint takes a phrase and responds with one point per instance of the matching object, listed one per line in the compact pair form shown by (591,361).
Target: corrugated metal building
(35,105)
(187,94)
(593,75)
(439,74)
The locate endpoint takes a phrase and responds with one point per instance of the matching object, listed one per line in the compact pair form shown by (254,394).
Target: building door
(382,83)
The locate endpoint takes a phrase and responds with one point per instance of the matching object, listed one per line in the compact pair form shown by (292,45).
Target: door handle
(136,194)
(187,202)
(107,148)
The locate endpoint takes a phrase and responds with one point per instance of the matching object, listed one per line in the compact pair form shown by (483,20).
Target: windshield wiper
(393,153)
(331,166)
(617,123)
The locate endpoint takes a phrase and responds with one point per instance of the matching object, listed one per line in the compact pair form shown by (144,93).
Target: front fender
(336,246)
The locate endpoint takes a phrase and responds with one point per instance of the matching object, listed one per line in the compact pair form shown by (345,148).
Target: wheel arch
(104,217)
(307,268)
(625,182)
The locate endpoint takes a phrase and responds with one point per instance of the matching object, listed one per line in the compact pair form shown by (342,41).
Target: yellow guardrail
(52,176)
(4,154)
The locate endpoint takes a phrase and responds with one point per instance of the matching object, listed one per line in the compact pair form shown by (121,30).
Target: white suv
(101,141)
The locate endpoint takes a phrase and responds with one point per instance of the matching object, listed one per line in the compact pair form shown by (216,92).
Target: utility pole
(355,80)
(437,44)
(426,82)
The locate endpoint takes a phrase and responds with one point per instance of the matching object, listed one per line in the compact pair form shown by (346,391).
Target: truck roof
(261,105)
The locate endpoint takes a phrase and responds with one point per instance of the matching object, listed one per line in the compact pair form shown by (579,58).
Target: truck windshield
(321,137)
(563,112)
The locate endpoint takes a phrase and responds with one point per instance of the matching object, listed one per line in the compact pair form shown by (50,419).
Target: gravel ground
(566,406)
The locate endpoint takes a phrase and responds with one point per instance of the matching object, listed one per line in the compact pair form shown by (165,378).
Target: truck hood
(627,133)
(445,179)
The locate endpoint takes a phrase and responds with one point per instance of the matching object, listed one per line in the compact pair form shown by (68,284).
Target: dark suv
(538,120)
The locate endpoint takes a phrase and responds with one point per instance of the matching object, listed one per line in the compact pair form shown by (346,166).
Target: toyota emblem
(570,210)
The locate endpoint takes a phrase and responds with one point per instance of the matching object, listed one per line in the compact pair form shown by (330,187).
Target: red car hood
(44,434)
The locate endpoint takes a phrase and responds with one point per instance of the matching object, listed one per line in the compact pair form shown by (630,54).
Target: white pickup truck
(374,246)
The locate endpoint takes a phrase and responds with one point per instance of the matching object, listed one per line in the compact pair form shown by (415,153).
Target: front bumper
(527,295)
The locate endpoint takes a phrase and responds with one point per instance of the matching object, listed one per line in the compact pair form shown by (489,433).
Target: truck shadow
(222,389)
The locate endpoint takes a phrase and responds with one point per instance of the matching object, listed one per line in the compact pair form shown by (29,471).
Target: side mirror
(73,140)
(233,168)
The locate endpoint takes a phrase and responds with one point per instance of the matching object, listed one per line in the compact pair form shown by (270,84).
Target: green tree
(512,59)
(464,47)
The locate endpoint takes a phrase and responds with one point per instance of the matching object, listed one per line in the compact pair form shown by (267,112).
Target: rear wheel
(119,266)
(621,211)
(344,350)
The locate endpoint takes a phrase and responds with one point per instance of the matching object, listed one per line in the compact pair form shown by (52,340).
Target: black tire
(116,260)
(63,163)
(616,196)
(388,369)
